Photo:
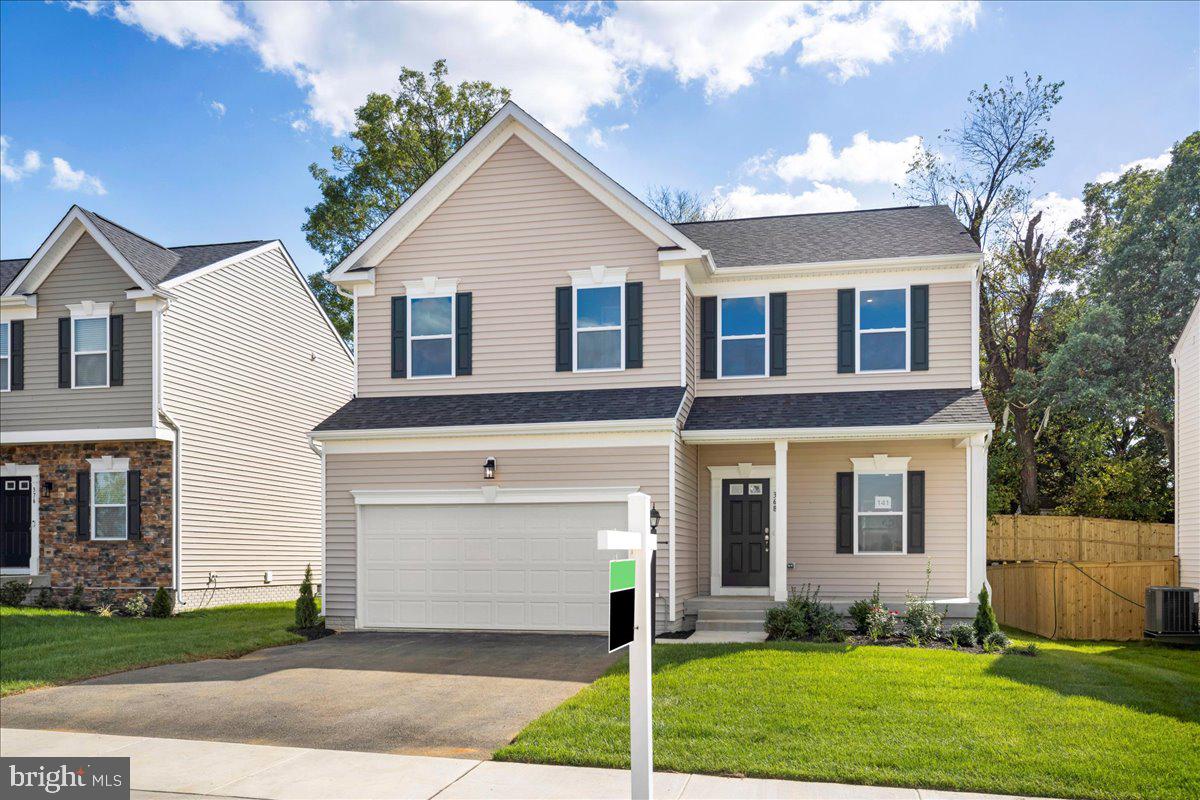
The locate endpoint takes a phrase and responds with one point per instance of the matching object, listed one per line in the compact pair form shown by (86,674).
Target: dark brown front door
(745,532)
(15,520)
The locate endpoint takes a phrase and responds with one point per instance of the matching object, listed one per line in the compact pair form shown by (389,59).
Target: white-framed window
(89,344)
(5,357)
(742,333)
(599,336)
(880,505)
(110,504)
(882,328)
(431,336)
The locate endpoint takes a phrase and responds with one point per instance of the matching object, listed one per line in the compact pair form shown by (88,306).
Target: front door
(745,532)
(15,520)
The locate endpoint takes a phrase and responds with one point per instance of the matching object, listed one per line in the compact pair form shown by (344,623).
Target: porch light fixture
(654,518)
(489,468)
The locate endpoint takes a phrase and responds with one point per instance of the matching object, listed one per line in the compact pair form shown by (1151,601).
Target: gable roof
(909,231)
(9,267)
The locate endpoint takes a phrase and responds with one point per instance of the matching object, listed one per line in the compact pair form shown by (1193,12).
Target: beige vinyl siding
(86,272)
(645,467)
(811,523)
(249,368)
(1187,455)
(509,235)
(686,524)
(812,349)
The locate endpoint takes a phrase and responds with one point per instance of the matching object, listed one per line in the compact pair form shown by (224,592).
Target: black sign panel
(620,619)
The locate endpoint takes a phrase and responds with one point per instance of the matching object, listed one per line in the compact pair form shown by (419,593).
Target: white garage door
(524,567)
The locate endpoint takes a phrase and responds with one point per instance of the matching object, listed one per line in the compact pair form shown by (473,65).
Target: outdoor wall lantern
(489,468)
(654,518)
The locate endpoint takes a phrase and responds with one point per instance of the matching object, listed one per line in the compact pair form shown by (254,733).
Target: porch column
(977,447)
(779,548)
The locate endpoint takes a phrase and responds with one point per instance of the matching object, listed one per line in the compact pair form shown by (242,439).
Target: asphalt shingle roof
(505,408)
(839,236)
(9,268)
(838,409)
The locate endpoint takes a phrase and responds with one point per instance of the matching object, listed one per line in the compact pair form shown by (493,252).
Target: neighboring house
(799,395)
(1186,360)
(153,416)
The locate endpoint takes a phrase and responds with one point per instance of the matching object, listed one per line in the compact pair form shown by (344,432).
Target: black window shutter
(633,325)
(64,353)
(845,330)
(83,504)
(916,511)
(133,503)
(918,299)
(845,512)
(16,354)
(779,333)
(708,337)
(116,350)
(562,328)
(462,334)
(400,337)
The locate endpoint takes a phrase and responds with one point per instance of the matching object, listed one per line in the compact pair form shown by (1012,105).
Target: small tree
(985,617)
(306,605)
(163,605)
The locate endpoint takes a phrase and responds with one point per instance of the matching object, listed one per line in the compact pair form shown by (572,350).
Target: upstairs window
(89,352)
(743,332)
(110,505)
(883,330)
(599,330)
(431,337)
(5,358)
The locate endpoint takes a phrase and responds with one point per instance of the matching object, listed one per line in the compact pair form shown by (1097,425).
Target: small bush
(859,611)
(985,617)
(996,642)
(922,619)
(881,623)
(104,610)
(962,635)
(804,616)
(912,640)
(106,597)
(45,597)
(163,605)
(75,601)
(135,606)
(306,605)
(1030,649)
(12,593)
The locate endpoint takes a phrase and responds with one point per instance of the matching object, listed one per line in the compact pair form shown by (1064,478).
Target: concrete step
(729,625)
(733,614)
(695,605)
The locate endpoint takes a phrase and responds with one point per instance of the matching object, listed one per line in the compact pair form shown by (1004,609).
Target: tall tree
(399,141)
(683,205)
(982,170)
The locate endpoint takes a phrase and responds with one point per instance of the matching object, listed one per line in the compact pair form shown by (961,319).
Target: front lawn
(48,647)
(1081,719)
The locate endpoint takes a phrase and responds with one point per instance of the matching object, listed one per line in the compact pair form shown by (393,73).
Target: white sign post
(640,543)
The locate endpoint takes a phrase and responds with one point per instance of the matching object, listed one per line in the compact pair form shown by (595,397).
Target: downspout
(176,557)
(320,451)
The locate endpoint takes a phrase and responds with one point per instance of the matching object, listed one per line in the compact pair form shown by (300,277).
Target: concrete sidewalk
(163,768)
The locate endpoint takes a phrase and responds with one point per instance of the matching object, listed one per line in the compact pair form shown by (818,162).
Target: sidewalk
(163,768)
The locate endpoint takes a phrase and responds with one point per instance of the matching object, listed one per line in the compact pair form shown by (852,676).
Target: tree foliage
(683,205)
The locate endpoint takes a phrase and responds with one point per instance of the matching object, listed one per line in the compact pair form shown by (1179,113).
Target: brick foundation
(120,568)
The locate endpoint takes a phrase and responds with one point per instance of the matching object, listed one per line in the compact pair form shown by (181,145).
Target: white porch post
(779,548)
(977,447)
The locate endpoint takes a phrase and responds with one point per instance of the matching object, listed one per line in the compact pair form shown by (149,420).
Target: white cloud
(217,108)
(299,125)
(596,139)
(30,162)
(863,161)
(747,201)
(198,22)
(1161,161)
(74,180)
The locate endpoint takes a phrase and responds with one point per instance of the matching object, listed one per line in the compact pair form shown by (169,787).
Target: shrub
(859,611)
(804,616)
(1030,649)
(996,642)
(106,597)
(922,619)
(135,606)
(306,605)
(12,593)
(985,617)
(104,610)
(881,623)
(45,597)
(75,601)
(163,605)
(962,635)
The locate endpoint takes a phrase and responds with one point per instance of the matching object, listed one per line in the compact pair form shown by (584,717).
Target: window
(879,519)
(743,332)
(89,351)
(431,336)
(110,510)
(5,358)
(882,330)
(599,328)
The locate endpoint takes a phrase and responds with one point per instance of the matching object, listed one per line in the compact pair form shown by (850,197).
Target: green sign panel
(621,574)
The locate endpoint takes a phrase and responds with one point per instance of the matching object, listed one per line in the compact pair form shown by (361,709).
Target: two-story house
(798,394)
(154,410)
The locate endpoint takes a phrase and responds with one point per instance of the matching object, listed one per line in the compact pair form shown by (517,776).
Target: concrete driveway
(442,694)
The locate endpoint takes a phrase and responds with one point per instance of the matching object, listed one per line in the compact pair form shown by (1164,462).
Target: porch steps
(729,614)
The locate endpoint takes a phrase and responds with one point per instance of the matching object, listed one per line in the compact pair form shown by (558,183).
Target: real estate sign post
(640,542)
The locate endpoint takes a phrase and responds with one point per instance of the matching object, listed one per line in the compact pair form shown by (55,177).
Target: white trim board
(86,435)
(739,472)
(766,435)
(493,443)
(30,471)
(492,494)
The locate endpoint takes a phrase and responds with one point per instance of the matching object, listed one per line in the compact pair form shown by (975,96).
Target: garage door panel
(516,567)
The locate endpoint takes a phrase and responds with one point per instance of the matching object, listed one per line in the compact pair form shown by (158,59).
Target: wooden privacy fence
(1038,538)
(1078,600)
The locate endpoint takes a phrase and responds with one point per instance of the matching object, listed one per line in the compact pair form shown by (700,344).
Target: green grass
(49,647)
(1082,719)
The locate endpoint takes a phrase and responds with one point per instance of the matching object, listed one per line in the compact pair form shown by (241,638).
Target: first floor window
(879,512)
(431,336)
(743,327)
(882,330)
(5,358)
(599,332)
(110,509)
(89,349)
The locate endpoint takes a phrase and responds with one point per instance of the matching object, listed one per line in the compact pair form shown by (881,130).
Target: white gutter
(938,431)
(663,425)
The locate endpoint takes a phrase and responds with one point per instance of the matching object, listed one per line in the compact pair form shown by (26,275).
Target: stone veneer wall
(123,567)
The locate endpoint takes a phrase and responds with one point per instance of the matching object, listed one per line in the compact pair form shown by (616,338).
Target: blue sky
(196,123)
